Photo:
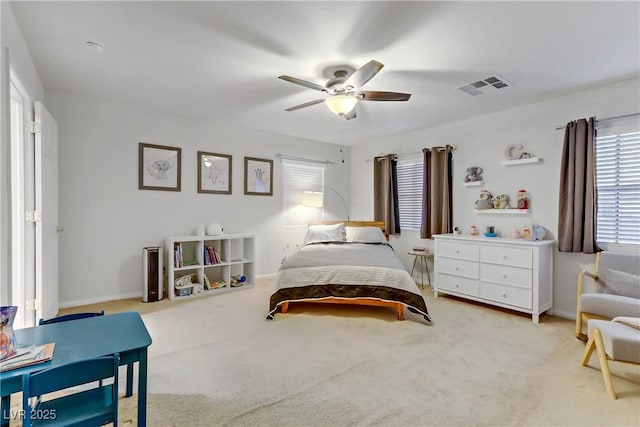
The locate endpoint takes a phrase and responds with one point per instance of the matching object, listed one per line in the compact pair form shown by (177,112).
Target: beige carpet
(215,361)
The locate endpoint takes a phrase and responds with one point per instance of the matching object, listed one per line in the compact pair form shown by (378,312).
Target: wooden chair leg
(284,307)
(400,311)
(579,334)
(604,363)
(588,351)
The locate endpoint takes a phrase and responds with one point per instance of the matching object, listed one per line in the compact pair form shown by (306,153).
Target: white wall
(107,220)
(481,142)
(14,52)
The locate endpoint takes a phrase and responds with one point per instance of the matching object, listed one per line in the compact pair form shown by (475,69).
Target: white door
(47,229)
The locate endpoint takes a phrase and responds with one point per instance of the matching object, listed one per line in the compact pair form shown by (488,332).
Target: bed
(347,262)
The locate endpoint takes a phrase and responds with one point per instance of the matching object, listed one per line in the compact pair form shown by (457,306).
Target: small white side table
(422,256)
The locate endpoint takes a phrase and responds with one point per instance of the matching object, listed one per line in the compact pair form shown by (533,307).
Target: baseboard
(68,304)
(563,314)
(77,303)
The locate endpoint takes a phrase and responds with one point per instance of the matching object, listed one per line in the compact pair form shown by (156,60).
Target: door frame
(23,233)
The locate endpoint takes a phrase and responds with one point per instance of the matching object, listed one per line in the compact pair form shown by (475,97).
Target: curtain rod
(302,159)
(370,159)
(607,119)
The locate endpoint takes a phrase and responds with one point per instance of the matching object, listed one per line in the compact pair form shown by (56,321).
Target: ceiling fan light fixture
(341,104)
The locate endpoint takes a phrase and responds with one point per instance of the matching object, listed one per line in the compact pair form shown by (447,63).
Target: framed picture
(158,167)
(214,173)
(258,176)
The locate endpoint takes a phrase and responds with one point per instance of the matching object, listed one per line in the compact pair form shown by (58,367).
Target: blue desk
(123,333)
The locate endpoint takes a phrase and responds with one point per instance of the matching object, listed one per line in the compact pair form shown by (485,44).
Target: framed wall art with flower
(158,167)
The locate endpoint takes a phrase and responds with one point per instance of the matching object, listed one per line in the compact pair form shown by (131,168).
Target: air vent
(477,88)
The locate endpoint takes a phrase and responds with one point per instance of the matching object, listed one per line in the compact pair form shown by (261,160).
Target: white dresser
(511,273)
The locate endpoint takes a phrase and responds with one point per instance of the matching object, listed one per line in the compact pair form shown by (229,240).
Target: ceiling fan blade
(306,104)
(383,96)
(350,115)
(304,83)
(362,75)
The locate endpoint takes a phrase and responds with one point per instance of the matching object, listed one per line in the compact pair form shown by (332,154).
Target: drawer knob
(504,256)
(457,251)
(504,276)
(457,285)
(504,295)
(457,268)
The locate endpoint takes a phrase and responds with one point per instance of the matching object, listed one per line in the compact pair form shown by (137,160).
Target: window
(618,186)
(303,193)
(410,181)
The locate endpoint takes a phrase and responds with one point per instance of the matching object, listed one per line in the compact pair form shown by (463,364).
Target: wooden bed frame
(284,307)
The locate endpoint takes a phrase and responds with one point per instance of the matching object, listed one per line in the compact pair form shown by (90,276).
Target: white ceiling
(220,60)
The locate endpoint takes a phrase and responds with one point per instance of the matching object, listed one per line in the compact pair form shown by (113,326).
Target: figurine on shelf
(474,230)
(523,199)
(501,202)
(485,201)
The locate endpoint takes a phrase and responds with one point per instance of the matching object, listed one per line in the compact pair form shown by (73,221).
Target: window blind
(618,186)
(410,194)
(302,181)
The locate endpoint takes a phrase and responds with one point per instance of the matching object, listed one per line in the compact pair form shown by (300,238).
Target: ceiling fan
(344,90)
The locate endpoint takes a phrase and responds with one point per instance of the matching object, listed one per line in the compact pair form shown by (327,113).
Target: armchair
(614,290)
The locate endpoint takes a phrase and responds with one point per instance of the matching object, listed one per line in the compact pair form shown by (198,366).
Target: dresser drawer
(507,255)
(505,275)
(458,267)
(457,284)
(466,251)
(506,294)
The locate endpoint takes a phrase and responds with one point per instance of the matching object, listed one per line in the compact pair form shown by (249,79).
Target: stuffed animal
(484,202)
(501,202)
(474,174)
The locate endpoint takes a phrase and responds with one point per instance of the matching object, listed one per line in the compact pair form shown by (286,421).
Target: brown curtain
(385,193)
(578,198)
(437,199)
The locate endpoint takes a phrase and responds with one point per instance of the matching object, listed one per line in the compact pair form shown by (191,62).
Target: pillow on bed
(325,233)
(365,235)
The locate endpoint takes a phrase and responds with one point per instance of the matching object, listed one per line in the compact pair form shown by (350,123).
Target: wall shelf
(521,161)
(503,211)
(473,184)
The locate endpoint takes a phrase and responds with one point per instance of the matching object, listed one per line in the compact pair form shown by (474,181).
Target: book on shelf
(28,356)
(177,255)
(211,256)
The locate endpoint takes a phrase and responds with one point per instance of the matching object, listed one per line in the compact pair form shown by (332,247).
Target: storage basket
(184,290)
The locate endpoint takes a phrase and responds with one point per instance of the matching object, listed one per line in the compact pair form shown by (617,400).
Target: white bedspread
(358,254)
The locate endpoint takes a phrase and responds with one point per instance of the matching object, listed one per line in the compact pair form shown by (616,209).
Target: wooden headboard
(379,224)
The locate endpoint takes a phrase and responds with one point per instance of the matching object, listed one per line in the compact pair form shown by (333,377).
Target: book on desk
(28,356)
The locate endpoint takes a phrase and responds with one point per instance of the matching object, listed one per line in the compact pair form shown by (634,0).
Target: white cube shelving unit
(237,257)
